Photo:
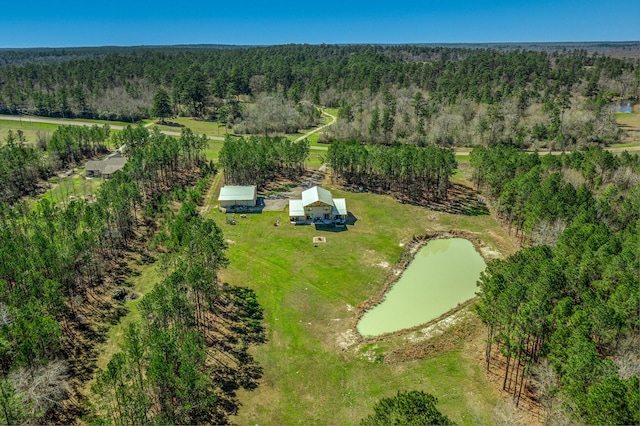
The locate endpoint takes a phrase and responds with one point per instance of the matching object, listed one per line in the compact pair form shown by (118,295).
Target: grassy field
(314,370)
(66,188)
(29,129)
(213,150)
(630,122)
(146,278)
(209,128)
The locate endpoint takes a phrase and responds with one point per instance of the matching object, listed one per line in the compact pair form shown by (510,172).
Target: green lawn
(315,159)
(213,150)
(625,145)
(309,295)
(209,128)
(29,129)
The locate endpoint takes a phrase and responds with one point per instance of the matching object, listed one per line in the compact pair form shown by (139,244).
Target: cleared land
(316,369)
(29,128)
(630,123)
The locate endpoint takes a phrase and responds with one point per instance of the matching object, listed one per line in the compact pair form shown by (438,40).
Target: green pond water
(442,274)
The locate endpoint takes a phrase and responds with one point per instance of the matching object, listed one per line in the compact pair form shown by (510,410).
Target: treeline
(156,160)
(71,144)
(537,119)
(56,276)
(183,362)
(22,167)
(564,314)
(256,161)
(539,195)
(417,173)
(210,82)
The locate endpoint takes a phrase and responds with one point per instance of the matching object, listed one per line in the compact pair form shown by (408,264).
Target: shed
(238,196)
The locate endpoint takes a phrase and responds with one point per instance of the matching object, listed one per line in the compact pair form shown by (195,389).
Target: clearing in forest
(316,367)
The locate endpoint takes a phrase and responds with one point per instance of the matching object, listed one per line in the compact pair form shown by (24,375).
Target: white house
(231,196)
(318,206)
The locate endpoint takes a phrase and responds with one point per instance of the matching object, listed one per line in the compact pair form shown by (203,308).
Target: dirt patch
(440,327)
(443,336)
(347,339)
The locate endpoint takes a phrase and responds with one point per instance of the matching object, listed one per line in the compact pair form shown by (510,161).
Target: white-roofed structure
(318,206)
(232,196)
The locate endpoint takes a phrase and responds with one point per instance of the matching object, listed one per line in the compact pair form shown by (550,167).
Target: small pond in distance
(623,106)
(442,274)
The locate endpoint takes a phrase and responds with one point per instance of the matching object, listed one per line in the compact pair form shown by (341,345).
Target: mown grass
(315,160)
(209,128)
(309,293)
(212,151)
(29,129)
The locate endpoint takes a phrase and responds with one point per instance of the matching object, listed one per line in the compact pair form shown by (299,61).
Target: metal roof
(296,209)
(340,205)
(237,193)
(316,193)
(94,165)
(106,164)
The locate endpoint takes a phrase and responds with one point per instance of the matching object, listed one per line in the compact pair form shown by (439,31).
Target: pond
(623,106)
(442,275)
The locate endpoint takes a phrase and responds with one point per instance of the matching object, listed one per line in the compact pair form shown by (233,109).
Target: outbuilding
(237,196)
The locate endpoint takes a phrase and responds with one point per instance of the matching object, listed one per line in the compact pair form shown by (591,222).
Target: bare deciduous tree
(42,386)
(547,232)
(627,357)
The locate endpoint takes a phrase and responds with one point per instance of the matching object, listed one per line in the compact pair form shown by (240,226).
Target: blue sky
(38,23)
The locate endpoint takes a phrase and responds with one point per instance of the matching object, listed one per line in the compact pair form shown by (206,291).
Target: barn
(232,196)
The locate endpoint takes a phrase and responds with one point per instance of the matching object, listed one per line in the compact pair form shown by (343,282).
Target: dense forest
(60,266)
(414,94)
(257,161)
(563,311)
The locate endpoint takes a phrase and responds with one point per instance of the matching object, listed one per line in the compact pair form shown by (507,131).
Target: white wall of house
(321,212)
